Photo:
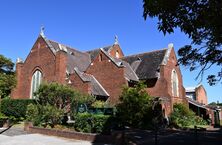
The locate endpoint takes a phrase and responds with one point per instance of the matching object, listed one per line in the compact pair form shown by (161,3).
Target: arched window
(36,81)
(117,54)
(174,81)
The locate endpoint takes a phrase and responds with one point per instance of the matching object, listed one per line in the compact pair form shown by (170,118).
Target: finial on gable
(19,60)
(116,40)
(170,45)
(42,31)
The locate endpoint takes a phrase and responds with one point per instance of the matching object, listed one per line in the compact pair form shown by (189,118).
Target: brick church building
(100,72)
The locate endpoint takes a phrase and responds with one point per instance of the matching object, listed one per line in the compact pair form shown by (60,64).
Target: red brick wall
(201,95)
(115,48)
(41,58)
(109,75)
(60,68)
(15,92)
(78,84)
(163,86)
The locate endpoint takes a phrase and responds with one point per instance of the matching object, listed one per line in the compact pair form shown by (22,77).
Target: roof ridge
(145,53)
(99,48)
(65,45)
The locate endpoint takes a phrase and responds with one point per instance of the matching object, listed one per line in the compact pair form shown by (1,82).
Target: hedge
(15,107)
(93,123)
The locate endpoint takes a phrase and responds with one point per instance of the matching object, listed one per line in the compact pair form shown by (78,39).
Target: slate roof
(128,72)
(139,66)
(191,101)
(75,58)
(93,53)
(95,87)
(146,65)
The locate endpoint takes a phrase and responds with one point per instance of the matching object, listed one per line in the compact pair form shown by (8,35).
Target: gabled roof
(75,58)
(94,53)
(146,65)
(128,72)
(95,87)
(193,89)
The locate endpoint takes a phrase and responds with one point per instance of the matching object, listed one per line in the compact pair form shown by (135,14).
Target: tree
(7,76)
(201,21)
(53,102)
(61,96)
(136,107)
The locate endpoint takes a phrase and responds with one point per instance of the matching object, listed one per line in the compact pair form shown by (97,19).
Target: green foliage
(135,107)
(15,108)
(3,116)
(91,123)
(183,117)
(61,96)
(53,102)
(98,104)
(200,20)
(45,116)
(7,76)
(32,114)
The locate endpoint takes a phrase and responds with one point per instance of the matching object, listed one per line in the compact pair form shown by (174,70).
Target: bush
(53,101)
(3,118)
(90,123)
(182,117)
(47,115)
(135,107)
(32,114)
(15,108)
(61,96)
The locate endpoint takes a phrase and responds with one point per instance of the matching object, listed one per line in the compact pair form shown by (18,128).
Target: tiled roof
(146,65)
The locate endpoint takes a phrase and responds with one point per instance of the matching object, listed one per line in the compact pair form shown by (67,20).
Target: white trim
(37,80)
(176,81)
(166,56)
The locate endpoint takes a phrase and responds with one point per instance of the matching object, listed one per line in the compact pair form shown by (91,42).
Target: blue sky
(86,25)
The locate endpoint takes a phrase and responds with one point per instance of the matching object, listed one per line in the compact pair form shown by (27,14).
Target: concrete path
(17,136)
(37,139)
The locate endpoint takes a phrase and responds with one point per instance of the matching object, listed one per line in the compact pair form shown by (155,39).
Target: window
(117,54)
(100,57)
(174,81)
(36,81)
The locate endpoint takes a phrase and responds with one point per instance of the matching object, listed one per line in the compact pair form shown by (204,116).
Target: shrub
(61,96)
(3,118)
(32,114)
(15,108)
(91,123)
(182,116)
(135,107)
(47,115)
(98,104)
(53,101)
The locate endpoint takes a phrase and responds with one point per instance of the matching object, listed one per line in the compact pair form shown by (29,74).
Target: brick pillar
(17,91)
(61,63)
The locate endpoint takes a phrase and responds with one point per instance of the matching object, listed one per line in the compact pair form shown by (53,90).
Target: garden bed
(115,138)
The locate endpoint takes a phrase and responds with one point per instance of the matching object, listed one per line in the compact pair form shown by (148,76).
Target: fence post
(196,135)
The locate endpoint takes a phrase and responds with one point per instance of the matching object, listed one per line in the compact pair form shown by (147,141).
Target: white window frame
(175,83)
(35,83)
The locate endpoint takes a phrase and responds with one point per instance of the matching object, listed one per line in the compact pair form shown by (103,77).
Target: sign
(82,108)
